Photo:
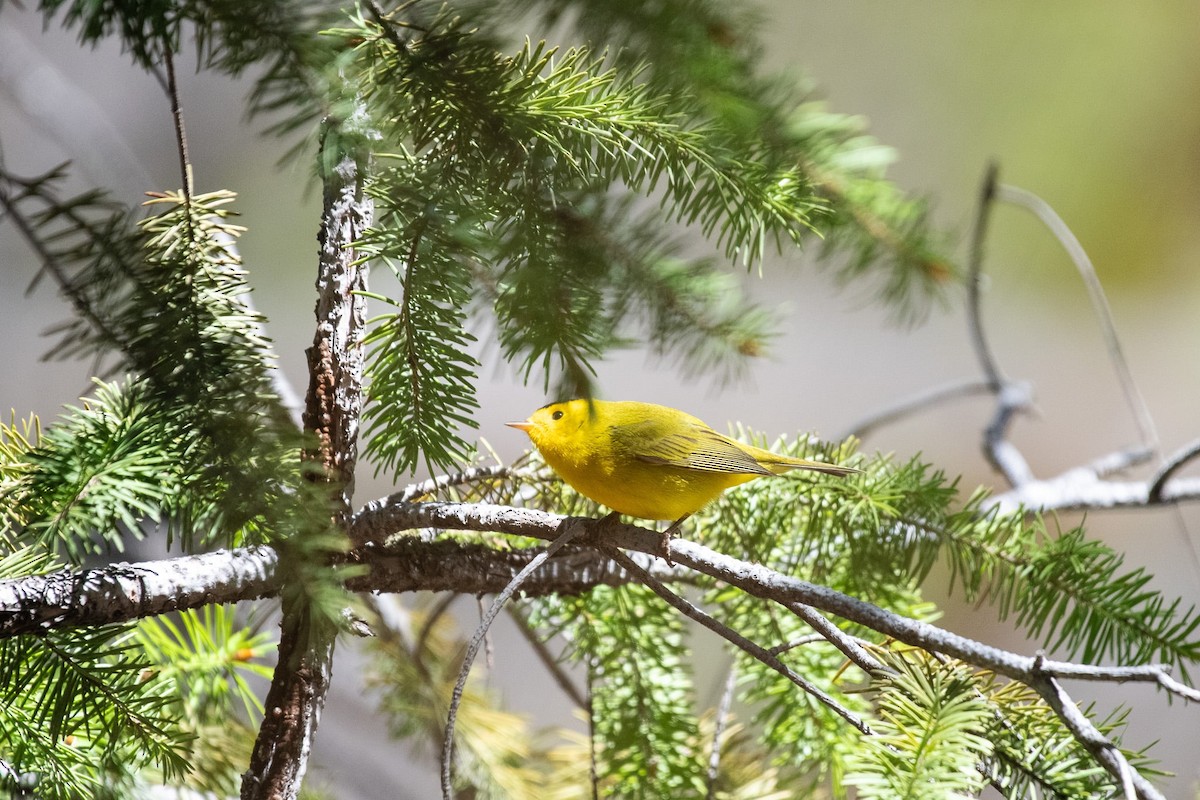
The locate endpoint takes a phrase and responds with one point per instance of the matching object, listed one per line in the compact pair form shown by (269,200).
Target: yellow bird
(647,460)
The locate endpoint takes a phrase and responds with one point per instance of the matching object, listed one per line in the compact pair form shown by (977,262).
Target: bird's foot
(664,545)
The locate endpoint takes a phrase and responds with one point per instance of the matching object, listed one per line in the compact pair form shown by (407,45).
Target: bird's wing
(691,446)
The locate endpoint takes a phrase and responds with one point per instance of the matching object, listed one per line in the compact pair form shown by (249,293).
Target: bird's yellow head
(560,429)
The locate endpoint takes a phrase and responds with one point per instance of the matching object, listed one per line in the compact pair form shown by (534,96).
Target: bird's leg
(664,546)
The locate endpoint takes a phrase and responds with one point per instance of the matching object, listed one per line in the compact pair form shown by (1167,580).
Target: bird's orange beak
(521,426)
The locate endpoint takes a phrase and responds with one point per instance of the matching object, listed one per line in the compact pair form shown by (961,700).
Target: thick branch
(124,592)
(332,412)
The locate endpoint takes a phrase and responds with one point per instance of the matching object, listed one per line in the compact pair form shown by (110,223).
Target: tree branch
(124,592)
(403,563)
(333,411)
(754,650)
(1082,489)
(1107,754)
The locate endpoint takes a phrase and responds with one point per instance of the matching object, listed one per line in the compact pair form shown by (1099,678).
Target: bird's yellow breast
(642,489)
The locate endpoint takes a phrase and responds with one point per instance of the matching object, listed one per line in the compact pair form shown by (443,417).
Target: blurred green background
(1094,106)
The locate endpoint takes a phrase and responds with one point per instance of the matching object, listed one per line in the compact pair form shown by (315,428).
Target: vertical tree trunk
(332,413)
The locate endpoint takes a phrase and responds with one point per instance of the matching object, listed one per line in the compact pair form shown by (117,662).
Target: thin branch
(181,142)
(1099,300)
(570,530)
(51,265)
(799,641)
(752,649)
(1107,754)
(435,613)
(1175,687)
(983,352)
(1011,397)
(1173,464)
(917,403)
(719,725)
(432,486)
(1055,224)
(1119,461)
(593,769)
(850,648)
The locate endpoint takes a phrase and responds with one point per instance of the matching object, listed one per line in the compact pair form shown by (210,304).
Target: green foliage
(640,685)
(75,705)
(421,375)
(1035,756)
(416,661)
(928,740)
(207,658)
(872,535)
(875,536)
(165,297)
(708,52)
(100,476)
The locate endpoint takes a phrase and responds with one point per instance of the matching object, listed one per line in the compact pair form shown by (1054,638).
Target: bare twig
(1173,464)
(1120,460)
(1107,754)
(983,352)
(431,486)
(799,641)
(570,530)
(593,770)
(1054,223)
(1011,397)
(181,143)
(854,651)
(435,613)
(1129,388)
(82,304)
(719,725)
(1175,687)
(1080,489)
(922,401)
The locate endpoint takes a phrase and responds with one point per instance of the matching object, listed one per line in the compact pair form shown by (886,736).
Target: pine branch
(759,582)
(929,738)
(420,374)
(753,579)
(90,684)
(124,592)
(713,57)
(750,648)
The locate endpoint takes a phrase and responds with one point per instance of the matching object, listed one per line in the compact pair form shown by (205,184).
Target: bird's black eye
(556,415)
